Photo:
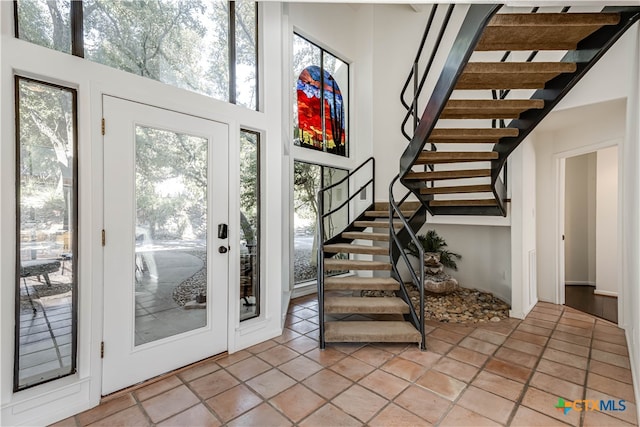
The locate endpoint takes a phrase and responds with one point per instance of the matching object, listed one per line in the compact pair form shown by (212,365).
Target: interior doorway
(590,232)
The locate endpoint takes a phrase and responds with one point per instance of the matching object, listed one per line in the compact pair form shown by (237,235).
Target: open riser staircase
(480,109)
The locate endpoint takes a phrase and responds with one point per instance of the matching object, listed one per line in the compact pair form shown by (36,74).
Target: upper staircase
(484,103)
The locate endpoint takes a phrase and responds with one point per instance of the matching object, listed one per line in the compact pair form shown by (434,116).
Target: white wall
(607,222)
(580,220)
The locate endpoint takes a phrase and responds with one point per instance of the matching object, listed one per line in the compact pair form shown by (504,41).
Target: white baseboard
(606,293)
(579,283)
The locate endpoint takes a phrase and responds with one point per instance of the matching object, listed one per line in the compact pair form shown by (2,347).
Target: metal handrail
(321,236)
(418,281)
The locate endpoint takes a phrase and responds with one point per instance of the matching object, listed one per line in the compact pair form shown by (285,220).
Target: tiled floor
(511,373)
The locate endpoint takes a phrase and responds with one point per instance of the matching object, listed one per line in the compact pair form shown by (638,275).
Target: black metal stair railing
(321,237)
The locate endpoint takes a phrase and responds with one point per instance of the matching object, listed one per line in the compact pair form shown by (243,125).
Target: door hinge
(102,350)
(104,237)
(103,126)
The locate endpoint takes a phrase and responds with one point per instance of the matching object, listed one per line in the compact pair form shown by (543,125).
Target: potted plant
(432,243)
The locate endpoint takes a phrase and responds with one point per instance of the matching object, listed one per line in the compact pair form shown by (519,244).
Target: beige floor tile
(197,416)
(270,383)
(404,368)
(545,403)
(461,417)
(536,339)
(359,402)
(105,409)
(611,387)
(373,356)
(456,369)
(559,370)
(300,368)
(330,415)
(212,384)
(394,415)
(233,402)
(487,404)
(425,404)
(508,370)
(556,386)
(199,370)
(568,347)
(611,371)
(488,336)
(263,416)
(352,368)
(468,356)
(441,384)
(383,383)
(133,417)
(498,385)
(248,368)
(516,357)
(526,417)
(169,403)
(327,383)
(297,402)
(478,345)
(611,358)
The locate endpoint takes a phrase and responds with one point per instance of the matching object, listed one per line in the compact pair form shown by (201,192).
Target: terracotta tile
(384,384)
(248,368)
(526,417)
(359,402)
(212,384)
(544,316)
(394,415)
(496,384)
(565,358)
(447,336)
(199,370)
(545,403)
(326,357)
(233,358)
(105,409)
(297,402)
(234,402)
(610,347)
(468,356)
(610,358)
(291,319)
(157,388)
(487,404)
(610,371)
(600,335)
(557,309)
(259,348)
(303,327)
(300,368)
(569,347)
(327,383)
(532,329)
(599,419)
(610,386)
(197,416)
(574,339)
(579,316)
(479,346)
(539,323)
(529,337)
(488,336)
(373,356)
(456,369)
(559,370)
(459,416)
(574,330)
(627,415)
(330,415)
(67,422)
(507,370)
(404,368)
(346,347)
(394,347)
(129,417)
(263,415)
(302,344)
(438,346)
(423,358)
(287,335)
(352,368)
(278,355)
(423,403)
(169,403)
(556,386)
(576,323)
(516,357)
(441,384)
(524,346)
(270,383)
(306,313)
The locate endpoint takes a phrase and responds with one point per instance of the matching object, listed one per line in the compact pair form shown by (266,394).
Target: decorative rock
(436,280)
(495,319)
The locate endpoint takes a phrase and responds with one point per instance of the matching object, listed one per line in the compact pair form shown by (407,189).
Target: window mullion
(232,52)
(77,28)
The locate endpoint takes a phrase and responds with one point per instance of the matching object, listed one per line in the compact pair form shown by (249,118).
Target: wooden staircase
(453,165)
(349,316)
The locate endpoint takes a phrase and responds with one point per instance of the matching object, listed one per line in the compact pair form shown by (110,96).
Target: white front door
(165,253)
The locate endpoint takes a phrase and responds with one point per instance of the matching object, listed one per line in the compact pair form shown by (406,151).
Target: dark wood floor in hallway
(581,297)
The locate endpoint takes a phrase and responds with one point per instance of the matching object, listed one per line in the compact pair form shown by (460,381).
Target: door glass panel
(170,234)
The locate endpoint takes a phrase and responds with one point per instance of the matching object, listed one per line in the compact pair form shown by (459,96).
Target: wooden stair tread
(364,235)
(489,108)
(437,157)
(361,283)
(355,249)
(377,224)
(457,189)
(511,75)
(385,214)
(407,205)
(471,135)
(541,31)
(371,305)
(371,331)
(475,202)
(450,174)
(352,264)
